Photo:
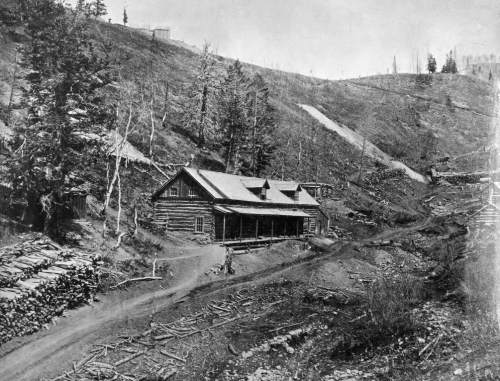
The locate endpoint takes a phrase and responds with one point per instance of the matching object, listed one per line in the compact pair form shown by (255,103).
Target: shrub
(388,310)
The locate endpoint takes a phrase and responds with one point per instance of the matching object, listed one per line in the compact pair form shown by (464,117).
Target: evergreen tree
(490,76)
(200,114)
(431,64)
(99,8)
(125,17)
(65,74)
(233,121)
(451,64)
(261,140)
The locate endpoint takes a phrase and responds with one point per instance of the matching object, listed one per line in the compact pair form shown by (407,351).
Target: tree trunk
(12,85)
(165,107)
(118,216)
(201,126)
(136,225)
(151,137)
(118,157)
(254,133)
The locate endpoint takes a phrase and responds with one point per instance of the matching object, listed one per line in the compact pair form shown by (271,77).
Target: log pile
(38,281)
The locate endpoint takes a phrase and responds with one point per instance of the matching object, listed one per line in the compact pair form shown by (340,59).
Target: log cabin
(230,207)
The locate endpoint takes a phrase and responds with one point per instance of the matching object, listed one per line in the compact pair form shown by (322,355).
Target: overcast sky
(325,38)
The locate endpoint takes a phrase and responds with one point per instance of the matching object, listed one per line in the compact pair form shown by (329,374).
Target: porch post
(241,226)
(284,227)
(257,228)
(308,224)
(223,228)
(272,228)
(297,226)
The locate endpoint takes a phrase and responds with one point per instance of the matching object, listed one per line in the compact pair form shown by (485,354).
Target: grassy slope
(394,112)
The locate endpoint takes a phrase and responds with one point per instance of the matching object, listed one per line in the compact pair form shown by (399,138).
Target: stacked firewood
(38,281)
(25,259)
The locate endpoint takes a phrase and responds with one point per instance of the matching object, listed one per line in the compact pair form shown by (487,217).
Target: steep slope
(368,148)
(412,118)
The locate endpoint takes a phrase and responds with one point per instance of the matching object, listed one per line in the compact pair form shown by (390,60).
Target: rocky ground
(400,305)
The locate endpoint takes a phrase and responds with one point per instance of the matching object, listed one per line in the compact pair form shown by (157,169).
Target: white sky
(326,38)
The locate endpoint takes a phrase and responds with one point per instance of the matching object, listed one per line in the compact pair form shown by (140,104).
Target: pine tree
(99,8)
(125,17)
(261,141)
(431,64)
(64,107)
(200,113)
(233,122)
(451,64)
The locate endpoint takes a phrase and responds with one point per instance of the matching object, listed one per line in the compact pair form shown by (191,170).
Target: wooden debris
(232,350)
(146,278)
(129,358)
(168,354)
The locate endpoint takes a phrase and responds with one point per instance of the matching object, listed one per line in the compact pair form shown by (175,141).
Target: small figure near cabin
(228,262)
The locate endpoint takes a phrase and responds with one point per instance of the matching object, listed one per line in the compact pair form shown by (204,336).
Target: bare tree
(117,151)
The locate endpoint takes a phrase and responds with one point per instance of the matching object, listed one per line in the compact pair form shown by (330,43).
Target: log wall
(310,227)
(181,214)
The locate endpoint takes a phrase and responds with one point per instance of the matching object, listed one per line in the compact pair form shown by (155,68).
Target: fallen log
(147,278)
(129,358)
(168,354)
(211,327)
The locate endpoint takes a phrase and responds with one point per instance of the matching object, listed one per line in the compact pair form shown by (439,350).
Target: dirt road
(47,352)
(57,347)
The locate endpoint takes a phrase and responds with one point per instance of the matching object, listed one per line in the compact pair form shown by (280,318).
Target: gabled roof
(223,186)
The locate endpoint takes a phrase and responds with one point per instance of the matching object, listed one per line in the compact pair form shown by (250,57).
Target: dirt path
(50,351)
(57,347)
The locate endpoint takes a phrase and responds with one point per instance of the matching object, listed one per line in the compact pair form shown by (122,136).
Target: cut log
(147,278)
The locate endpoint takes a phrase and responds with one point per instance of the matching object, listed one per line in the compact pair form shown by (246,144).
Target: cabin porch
(255,224)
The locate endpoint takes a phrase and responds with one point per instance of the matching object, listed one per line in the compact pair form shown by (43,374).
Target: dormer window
(292,193)
(174,192)
(258,187)
(191,192)
(263,193)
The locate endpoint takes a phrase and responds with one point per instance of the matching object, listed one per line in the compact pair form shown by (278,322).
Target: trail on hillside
(371,150)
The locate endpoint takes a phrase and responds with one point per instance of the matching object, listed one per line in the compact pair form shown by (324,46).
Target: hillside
(412,118)
(397,286)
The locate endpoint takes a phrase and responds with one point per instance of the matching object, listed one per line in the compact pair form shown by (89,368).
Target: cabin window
(198,225)
(174,191)
(191,192)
